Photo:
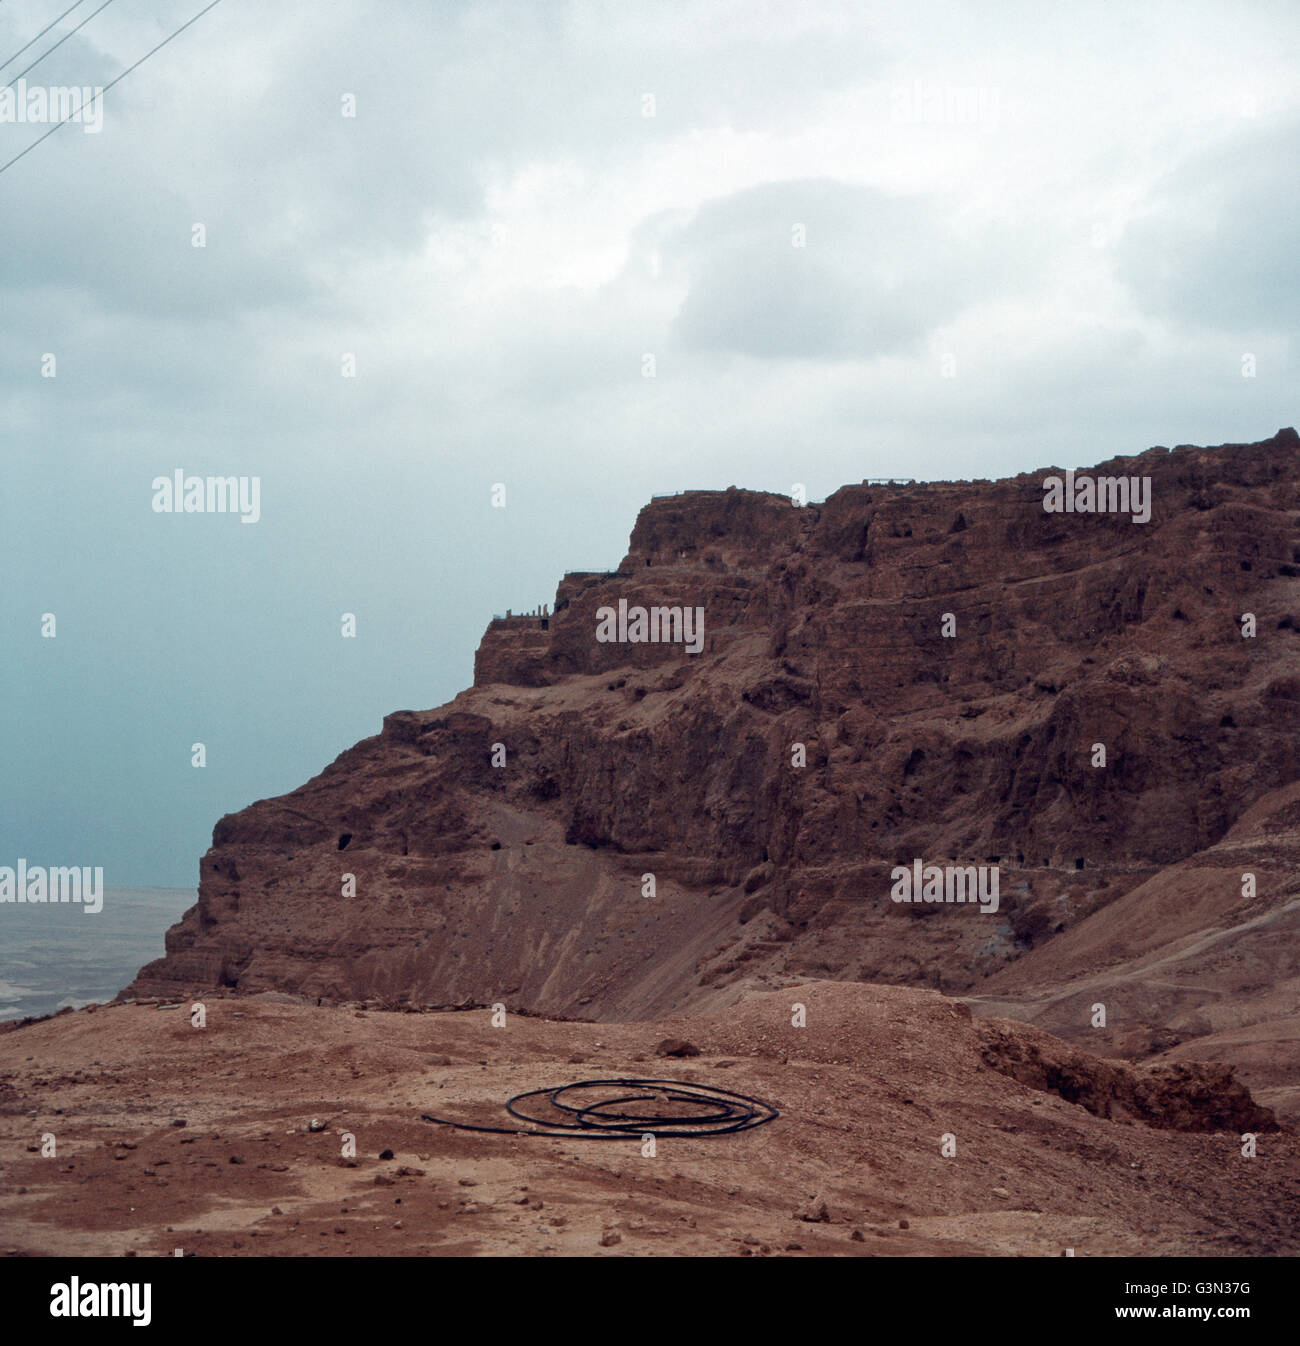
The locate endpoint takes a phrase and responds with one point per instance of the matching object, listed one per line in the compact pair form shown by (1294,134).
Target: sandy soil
(866,1091)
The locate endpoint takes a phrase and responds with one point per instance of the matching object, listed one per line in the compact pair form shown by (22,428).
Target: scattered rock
(814,1213)
(676,1047)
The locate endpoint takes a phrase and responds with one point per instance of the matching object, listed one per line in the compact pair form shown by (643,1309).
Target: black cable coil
(719,1111)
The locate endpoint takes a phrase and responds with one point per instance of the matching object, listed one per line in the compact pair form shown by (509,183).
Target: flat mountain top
(1103,710)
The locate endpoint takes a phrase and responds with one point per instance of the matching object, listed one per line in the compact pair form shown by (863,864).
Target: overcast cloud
(1085,215)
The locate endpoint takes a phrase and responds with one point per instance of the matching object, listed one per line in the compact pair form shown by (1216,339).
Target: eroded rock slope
(824,626)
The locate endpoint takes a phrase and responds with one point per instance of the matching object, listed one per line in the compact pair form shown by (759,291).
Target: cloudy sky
(926,239)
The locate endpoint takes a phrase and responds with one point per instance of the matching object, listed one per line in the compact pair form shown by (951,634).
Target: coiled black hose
(722,1111)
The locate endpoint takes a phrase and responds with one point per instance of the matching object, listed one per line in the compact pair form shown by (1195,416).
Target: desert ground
(171,1136)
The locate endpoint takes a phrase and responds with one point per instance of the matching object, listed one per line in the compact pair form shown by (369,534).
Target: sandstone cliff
(824,626)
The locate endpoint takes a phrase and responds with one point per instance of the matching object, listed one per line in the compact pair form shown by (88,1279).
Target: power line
(58,44)
(41,34)
(59,124)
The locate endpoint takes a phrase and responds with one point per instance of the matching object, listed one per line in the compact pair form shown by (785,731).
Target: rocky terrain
(1190,969)
(620,843)
(943,659)
(168,1136)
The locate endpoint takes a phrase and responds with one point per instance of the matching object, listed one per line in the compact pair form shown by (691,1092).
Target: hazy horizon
(57,956)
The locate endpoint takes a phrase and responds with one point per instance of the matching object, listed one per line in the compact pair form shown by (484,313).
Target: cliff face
(824,626)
